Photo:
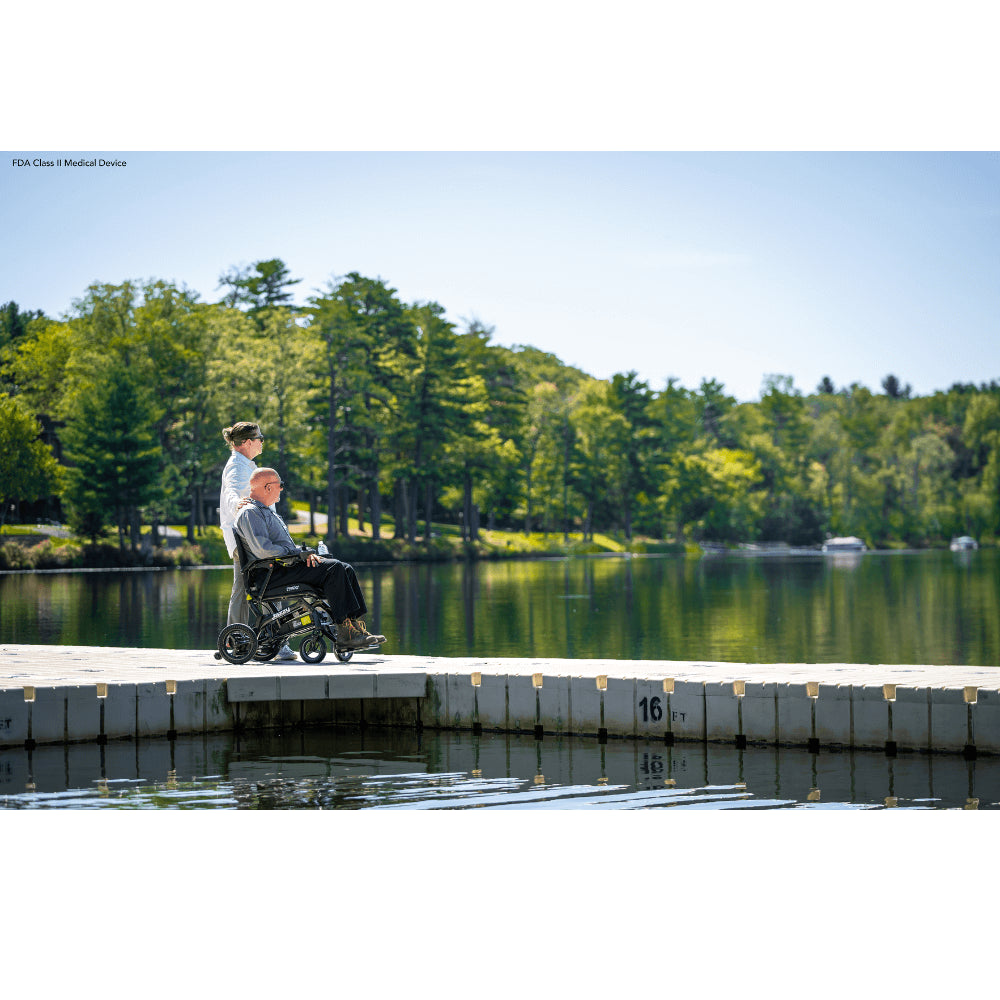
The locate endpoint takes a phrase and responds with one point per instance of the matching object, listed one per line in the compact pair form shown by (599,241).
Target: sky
(723,265)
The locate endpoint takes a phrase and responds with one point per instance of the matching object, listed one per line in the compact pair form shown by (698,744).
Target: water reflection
(398,769)
(932,607)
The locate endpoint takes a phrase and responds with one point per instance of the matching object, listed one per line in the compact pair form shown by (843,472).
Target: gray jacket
(264,533)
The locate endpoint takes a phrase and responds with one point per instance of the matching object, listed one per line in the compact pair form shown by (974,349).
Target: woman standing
(246,441)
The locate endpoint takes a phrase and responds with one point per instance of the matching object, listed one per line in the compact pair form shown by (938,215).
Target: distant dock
(68,694)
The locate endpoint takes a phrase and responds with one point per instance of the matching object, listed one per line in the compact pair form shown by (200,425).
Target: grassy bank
(70,553)
(21,549)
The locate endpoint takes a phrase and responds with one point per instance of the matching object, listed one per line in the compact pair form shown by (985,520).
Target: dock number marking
(651,709)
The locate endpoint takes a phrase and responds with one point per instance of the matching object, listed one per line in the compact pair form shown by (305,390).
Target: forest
(387,413)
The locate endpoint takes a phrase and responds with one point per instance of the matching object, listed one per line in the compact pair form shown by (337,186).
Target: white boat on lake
(846,544)
(963,543)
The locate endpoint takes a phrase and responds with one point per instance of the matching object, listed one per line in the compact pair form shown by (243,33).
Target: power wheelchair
(306,613)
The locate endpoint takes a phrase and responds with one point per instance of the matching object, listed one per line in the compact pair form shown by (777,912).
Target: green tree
(737,503)
(111,441)
(338,347)
(500,480)
(368,346)
(38,366)
(434,409)
(714,495)
(15,326)
(981,434)
(781,446)
(894,389)
(470,454)
(263,291)
(858,486)
(181,338)
(632,399)
(162,340)
(280,385)
(714,406)
(547,439)
(258,286)
(28,469)
(603,435)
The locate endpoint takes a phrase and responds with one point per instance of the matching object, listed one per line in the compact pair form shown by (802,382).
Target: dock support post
(812,693)
(536,683)
(477,683)
(740,690)
(602,728)
(889,693)
(971,695)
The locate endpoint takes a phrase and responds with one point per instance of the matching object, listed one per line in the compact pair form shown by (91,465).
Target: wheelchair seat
(257,576)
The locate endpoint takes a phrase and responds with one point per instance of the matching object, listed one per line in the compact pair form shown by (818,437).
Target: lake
(917,608)
(403,769)
(894,608)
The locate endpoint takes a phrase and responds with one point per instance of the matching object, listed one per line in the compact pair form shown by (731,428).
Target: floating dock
(69,694)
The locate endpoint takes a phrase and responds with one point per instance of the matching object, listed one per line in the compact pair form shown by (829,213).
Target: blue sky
(687,265)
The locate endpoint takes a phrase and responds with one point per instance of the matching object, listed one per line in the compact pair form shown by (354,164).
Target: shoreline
(833,558)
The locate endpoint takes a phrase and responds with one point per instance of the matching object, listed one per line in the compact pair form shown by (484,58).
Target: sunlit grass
(446,540)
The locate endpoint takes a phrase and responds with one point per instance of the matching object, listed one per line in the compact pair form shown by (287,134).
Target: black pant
(337,581)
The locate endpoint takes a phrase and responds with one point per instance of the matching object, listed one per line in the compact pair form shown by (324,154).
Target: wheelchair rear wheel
(313,649)
(237,642)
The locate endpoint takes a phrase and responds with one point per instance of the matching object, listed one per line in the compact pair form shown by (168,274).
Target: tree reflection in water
(924,608)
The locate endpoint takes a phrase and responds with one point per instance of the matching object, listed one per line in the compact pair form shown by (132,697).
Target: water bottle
(321,549)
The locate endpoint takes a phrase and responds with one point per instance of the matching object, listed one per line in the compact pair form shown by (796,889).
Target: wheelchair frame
(308,614)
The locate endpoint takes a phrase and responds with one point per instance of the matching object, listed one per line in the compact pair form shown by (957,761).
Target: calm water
(926,608)
(382,769)
(935,607)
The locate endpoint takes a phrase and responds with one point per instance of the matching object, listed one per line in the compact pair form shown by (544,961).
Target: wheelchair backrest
(255,571)
(257,576)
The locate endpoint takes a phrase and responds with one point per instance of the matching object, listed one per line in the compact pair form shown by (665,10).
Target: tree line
(111,415)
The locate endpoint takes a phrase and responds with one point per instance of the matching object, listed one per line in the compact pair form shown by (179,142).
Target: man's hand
(312,559)
(245,502)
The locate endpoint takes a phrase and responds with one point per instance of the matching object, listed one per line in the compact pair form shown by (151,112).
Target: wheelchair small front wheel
(237,642)
(344,654)
(313,649)
(267,652)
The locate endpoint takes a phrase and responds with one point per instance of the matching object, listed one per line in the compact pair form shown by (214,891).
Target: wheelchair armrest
(258,564)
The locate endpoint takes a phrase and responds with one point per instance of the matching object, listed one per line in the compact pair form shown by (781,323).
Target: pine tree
(116,460)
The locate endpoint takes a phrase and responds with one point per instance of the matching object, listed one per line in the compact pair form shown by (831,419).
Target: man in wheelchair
(276,568)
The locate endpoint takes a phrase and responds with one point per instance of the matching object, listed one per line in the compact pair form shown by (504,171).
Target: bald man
(265,536)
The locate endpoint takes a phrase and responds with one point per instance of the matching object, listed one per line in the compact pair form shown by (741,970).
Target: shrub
(13,556)
(183,555)
(47,554)
(52,554)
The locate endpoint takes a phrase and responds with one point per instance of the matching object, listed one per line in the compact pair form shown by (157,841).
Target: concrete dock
(67,694)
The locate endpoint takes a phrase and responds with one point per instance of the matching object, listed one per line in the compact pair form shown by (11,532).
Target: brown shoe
(354,634)
(373,637)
